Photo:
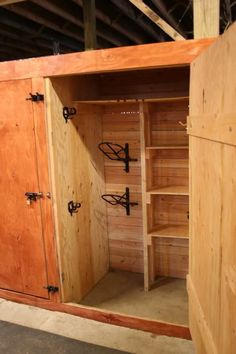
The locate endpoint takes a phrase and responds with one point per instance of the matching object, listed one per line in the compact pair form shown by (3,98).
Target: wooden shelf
(172,231)
(132,100)
(172,190)
(176,147)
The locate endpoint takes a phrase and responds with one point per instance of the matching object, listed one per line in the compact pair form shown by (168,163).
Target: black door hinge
(51,288)
(35,98)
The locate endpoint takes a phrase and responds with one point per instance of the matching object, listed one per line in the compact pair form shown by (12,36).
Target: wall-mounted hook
(73,206)
(68,113)
(123,200)
(183,124)
(116,152)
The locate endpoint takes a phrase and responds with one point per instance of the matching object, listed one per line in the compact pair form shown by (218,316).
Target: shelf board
(172,190)
(172,231)
(179,147)
(132,100)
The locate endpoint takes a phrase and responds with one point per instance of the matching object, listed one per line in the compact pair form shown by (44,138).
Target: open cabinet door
(212,131)
(77,174)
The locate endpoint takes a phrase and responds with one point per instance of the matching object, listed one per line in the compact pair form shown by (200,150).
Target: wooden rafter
(157,20)
(206,18)
(161,6)
(89,11)
(7,2)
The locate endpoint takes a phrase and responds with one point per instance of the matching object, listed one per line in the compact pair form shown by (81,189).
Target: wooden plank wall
(121,125)
(77,174)
(171,256)
(165,118)
(168,168)
(168,82)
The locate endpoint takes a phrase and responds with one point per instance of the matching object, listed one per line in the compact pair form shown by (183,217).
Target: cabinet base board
(144,324)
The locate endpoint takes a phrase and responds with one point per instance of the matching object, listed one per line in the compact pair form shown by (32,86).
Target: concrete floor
(15,339)
(123,292)
(120,338)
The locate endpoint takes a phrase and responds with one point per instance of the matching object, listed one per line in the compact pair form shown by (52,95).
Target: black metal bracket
(123,200)
(51,288)
(35,98)
(68,113)
(117,152)
(73,206)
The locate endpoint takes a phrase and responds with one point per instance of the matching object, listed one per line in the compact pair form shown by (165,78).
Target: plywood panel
(22,251)
(77,175)
(168,168)
(120,126)
(168,82)
(170,209)
(165,123)
(171,257)
(107,60)
(212,155)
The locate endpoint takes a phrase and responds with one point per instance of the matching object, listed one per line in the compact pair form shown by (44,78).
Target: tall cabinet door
(22,251)
(212,130)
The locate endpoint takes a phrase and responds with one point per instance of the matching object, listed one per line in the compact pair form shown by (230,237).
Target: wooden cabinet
(136,96)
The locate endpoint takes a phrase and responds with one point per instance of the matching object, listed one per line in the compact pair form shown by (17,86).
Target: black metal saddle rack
(117,152)
(123,200)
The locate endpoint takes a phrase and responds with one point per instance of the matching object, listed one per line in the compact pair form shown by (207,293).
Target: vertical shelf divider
(145,140)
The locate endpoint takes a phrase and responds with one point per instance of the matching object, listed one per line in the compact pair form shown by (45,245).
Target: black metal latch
(73,206)
(51,288)
(35,98)
(68,113)
(32,197)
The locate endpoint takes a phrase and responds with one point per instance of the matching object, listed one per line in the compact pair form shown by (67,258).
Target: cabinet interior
(148,110)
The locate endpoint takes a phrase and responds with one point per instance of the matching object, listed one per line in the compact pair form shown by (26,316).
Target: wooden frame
(157,327)
(146,56)
(149,56)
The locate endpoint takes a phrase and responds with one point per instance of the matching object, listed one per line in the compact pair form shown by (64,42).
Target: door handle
(33,196)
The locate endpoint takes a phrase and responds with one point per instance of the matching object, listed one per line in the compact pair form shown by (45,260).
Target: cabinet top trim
(147,56)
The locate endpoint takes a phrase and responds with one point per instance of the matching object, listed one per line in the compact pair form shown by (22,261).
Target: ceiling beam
(90,39)
(7,2)
(43,46)
(161,6)
(206,16)
(228,13)
(127,32)
(128,10)
(77,21)
(146,10)
(16,46)
(16,23)
(36,17)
